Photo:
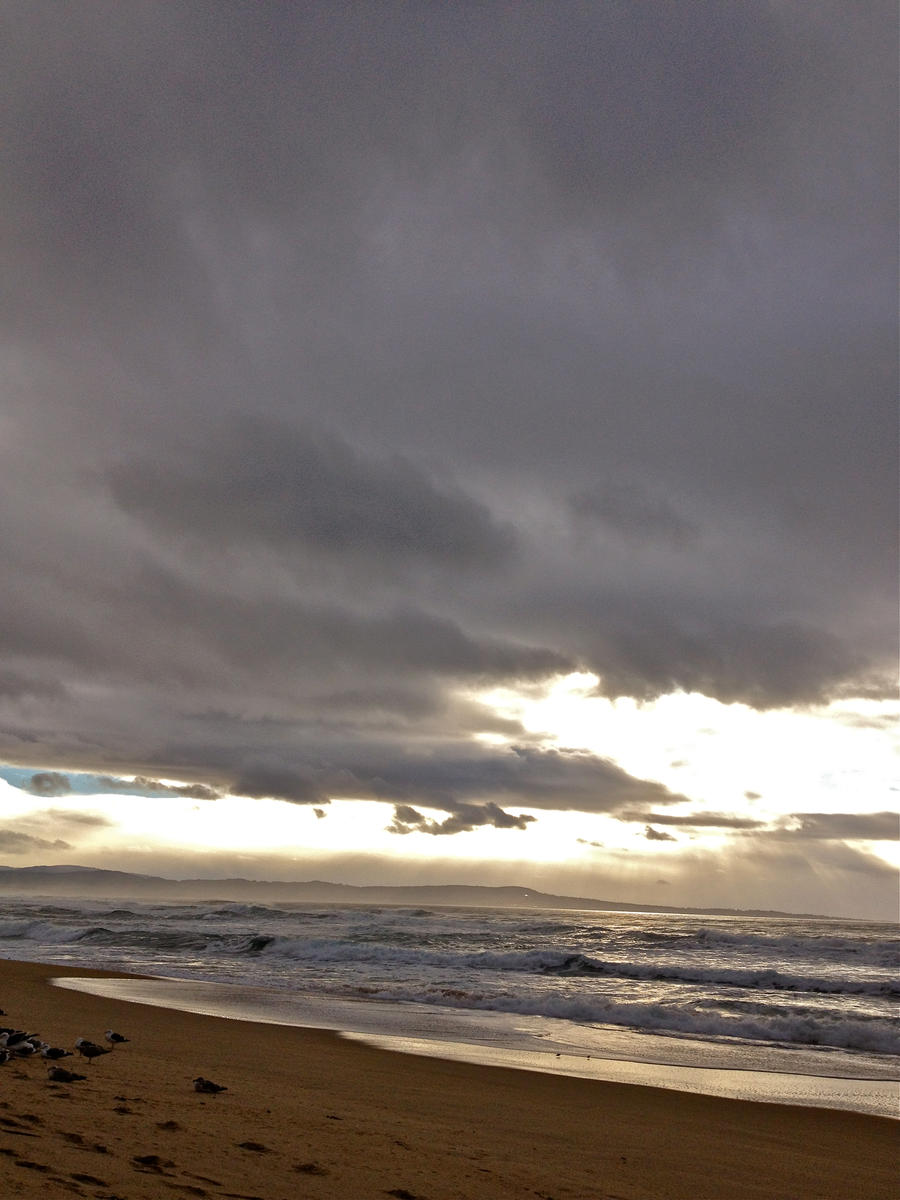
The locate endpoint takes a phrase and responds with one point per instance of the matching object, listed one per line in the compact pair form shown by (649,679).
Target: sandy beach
(308,1114)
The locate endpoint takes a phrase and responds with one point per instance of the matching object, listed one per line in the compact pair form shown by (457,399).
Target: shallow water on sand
(527,1043)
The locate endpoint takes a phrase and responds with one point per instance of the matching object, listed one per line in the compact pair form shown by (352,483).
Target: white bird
(115,1039)
(14,1037)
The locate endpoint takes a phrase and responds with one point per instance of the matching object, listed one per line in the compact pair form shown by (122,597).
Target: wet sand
(309,1114)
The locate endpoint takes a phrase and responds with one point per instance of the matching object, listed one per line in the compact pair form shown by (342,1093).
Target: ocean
(793,1009)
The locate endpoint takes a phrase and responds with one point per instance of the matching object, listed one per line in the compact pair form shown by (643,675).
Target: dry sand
(308,1114)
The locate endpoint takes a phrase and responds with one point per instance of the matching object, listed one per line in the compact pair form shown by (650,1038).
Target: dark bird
(61,1075)
(54,1052)
(15,1037)
(207,1086)
(115,1039)
(89,1049)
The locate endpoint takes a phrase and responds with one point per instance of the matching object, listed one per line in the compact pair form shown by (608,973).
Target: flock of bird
(17,1044)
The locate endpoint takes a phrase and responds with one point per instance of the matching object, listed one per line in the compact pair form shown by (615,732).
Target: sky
(453,443)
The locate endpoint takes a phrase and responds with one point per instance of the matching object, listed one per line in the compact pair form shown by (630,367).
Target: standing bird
(90,1050)
(207,1086)
(115,1039)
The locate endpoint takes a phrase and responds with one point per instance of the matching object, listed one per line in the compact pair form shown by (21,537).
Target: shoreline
(876,1096)
(309,1114)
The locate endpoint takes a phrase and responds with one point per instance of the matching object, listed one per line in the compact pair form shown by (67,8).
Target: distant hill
(90,882)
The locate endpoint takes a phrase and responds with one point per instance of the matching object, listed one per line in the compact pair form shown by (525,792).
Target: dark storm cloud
(658,835)
(144,785)
(13,841)
(876,826)
(469,783)
(648,648)
(633,513)
(16,687)
(463,819)
(26,836)
(49,783)
(279,783)
(535,778)
(269,484)
(359,360)
(703,820)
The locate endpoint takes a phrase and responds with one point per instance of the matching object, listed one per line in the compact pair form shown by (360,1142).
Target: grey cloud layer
(358,362)
(268,483)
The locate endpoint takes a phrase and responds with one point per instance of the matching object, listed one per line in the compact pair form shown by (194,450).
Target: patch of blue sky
(74,783)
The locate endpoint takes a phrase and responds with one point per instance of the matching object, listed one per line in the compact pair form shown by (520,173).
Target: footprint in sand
(75,1139)
(256,1147)
(15,1125)
(311,1168)
(152,1163)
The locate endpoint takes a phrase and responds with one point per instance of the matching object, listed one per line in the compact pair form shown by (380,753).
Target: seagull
(115,1039)
(207,1086)
(5,1055)
(89,1049)
(14,1037)
(54,1052)
(61,1075)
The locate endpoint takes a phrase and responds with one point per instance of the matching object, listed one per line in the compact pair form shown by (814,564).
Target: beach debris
(115,1039)
(207,1087)
(61,1075)
(90,1050)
